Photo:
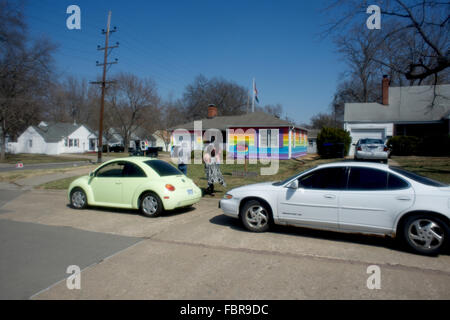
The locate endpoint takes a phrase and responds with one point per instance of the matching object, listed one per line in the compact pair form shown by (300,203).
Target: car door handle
(329,196)
(118,182)
(403,198)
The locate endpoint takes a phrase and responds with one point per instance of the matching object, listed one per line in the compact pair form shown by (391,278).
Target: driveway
(202,254)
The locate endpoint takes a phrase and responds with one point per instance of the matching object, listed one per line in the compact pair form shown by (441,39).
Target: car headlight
(228,196)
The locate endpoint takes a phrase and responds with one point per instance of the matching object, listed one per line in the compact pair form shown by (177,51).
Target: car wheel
(78,199)
(255,216)
(150,205)
(425,234)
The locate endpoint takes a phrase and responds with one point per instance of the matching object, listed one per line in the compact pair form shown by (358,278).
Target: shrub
(403,145)
(333,142)
(436,145)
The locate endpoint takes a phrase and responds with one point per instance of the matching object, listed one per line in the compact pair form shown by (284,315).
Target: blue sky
(172,42)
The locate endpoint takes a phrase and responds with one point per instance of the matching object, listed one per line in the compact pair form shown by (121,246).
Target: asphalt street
(12,167)
(36,256)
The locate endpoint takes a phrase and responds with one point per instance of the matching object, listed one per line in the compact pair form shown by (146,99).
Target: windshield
(280,183)
(163,168)
(419,178)
(371,141)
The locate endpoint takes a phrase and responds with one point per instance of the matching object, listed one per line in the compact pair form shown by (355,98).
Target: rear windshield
(371,141)
(419,178)
(163,168)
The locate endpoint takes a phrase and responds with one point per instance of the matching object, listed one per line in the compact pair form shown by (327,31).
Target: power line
(105,65)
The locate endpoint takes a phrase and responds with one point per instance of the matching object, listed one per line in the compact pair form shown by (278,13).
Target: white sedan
(350,197)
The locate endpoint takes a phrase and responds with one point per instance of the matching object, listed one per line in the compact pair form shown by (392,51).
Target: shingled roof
(55,132)
(406,104)
(255,120)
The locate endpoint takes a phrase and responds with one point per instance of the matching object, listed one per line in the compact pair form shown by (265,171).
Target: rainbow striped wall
(250,138)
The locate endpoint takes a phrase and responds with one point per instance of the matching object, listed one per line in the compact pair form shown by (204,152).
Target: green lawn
(27,158)
(197,173)
(435,168)
(60,184)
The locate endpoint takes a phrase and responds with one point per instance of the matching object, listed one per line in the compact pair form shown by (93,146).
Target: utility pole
(104,82)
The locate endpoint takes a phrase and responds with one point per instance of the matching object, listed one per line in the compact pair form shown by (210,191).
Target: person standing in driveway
(180,152)
(212,166)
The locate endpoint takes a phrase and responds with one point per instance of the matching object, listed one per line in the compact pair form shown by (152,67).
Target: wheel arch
(249,198)
(138,199)
(401,221)
(87,192)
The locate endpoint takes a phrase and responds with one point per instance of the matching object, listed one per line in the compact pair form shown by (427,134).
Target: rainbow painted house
(255,135)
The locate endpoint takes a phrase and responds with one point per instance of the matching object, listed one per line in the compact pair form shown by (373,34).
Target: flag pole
(253,99)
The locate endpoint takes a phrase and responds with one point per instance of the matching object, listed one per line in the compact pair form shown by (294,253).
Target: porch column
(290,142)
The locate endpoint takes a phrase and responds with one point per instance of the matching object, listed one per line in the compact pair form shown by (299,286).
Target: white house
(412,110)
(55,138)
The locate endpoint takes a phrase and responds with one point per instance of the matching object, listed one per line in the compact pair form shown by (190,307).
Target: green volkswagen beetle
(147,184)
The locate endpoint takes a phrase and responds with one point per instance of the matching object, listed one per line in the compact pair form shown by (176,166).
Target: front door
(133,176)
(315,202)
(107,184)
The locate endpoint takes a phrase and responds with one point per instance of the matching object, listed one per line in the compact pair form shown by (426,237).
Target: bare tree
(273,109)
(172,115)
(131,101)
(72,100)
(414,34)
(322,120)
(229,97)
(25,70)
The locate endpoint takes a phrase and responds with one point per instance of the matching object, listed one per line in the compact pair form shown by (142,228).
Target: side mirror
(293,184)
(353,144)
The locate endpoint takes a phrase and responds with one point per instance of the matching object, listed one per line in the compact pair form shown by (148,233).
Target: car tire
(421,233)
(78,199)
(256,216)
(150,205)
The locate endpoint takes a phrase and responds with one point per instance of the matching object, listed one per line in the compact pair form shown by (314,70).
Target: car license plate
(190,192)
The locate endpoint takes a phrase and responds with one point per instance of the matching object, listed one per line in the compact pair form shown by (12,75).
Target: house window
(70,142)
(30,143)
(66,142)
(76,142)
(268,138)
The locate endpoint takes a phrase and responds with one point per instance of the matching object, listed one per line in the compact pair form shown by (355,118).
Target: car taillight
(359,149)
(170,187)
(386,149)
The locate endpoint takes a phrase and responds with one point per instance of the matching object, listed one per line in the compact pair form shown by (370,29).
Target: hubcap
(149,205)
(257,216)
(426,234)
(78,199)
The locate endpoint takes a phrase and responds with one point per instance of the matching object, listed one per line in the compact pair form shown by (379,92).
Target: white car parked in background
(371,149)
(351,197)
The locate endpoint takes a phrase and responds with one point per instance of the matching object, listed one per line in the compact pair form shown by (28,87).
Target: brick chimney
(212,111)
(385,90)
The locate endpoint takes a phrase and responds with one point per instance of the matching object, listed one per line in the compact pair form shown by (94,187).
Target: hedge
(333,142)
(434,145)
